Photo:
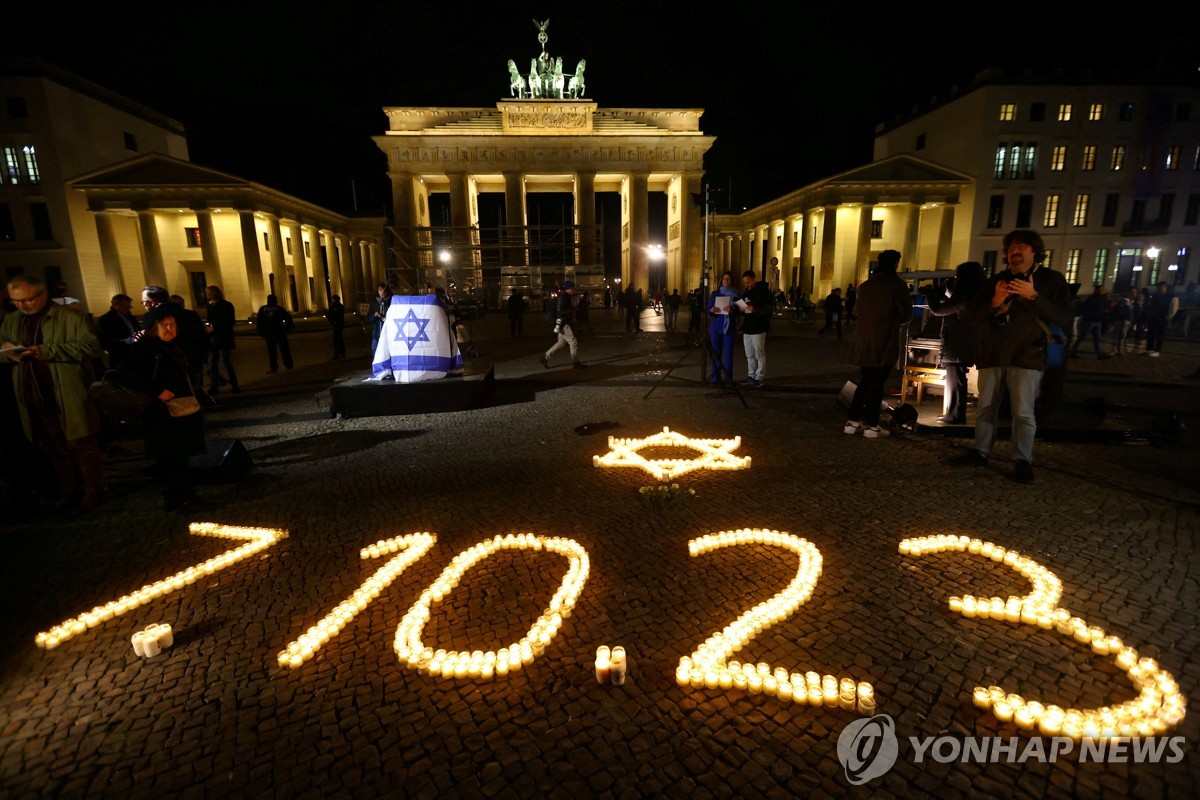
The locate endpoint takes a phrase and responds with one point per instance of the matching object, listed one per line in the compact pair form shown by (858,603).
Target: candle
(603,664)
(619,666)
(866,706)
(847,701)
(740,681)
(725,679)
(1003,711)
(1025,718)
(983,698)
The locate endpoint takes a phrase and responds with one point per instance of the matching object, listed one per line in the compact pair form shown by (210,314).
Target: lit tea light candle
(1002,711)
(603,664)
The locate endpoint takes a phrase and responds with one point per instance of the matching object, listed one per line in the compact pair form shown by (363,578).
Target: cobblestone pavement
(215,715)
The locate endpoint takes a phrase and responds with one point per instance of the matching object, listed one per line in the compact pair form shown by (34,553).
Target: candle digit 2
(478,664)
(414,546)
(708,667)
(1159,704)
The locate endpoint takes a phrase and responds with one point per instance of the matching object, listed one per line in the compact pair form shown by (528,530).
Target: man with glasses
(53,349)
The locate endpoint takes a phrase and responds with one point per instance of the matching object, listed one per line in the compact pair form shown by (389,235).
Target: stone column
(515,236)
(585,217)
(639,231)
(806,257)
(862,253)
(945,237)
(345,250)
(279,269)
(299,269)
(254,270)
(789,253)
(362,264)
(335,266)
(773,251)
(208,244)
(828,248)
(747,255)
(316,263)
(152,260)
(114,282)
(460,221)
(909,258)
(692,247)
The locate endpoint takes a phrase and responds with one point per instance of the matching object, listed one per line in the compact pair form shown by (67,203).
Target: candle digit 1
(256,540)
(1159,705)
(710,659)
(414,546)
(412,651)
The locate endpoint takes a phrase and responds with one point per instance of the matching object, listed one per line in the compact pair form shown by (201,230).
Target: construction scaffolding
(490,263)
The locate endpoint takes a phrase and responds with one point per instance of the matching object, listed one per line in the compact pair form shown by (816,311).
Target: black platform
(355,396)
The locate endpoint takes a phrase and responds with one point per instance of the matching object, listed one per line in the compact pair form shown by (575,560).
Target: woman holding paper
(721,329)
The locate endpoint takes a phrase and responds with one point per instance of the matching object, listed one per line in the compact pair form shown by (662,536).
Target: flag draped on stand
(417,343)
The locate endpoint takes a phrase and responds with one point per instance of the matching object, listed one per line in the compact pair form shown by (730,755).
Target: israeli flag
(417,343)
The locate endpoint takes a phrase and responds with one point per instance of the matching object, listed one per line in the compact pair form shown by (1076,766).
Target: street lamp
(657,256)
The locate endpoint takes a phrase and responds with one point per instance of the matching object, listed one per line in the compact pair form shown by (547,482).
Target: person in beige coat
(53,347)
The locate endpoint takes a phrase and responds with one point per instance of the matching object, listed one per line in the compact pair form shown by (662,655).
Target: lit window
(1118,157)
(31,165)
(1072,271)
(12,166)
(1030,160)
(1064,112)
(1095,112)
(1001,157)
(1050,218)
(307,249)
(1014,161)
(1008,112)
(288,244)
(1173,154)
(1081,210)
(1100,271)
(1155,266)
(1180,266)
(996,211)
(876,229)
(1058,158)
(1089,157)
(1047,258)
(192,236)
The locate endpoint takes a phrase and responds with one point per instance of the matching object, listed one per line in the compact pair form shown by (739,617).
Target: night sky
(289,94)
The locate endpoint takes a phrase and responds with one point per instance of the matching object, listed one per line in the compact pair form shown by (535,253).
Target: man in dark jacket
(118,329)
(1095,307)
(884,306)
(833,313)
(273,323)
(1014,307)
(336,314)
(219,324)
(756,322)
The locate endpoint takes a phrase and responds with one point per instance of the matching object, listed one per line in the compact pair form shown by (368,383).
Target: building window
(1183,112)
(1137,215)
(1095,112)
(1001,158)
(1196,159)
(1008,112)
(1030,160)
(778,244)
(42,230)
(192,235)
(1058,158)
(1037,112)
(920,141)
(130,141)
(990,259)
(1111,203)
(288,243)
(12,166)
(1089,157)
(1100,270)
(1126,113)
(1050,218)
(1166,207)
(1024,210)
(1180,266)
(266,244)
(1155,266)
(31,165)
(7,232)
(876,229)
(308,250)
(795,241)
(1072,271)
(1047,259)
(1064,112)
(814,235)
(1014,161)
(1192,213)
(1118,157)
(1081,210)
(1173,154)
(995,217)
(16,107)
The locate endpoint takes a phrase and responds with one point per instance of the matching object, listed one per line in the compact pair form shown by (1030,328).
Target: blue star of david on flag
(419,336)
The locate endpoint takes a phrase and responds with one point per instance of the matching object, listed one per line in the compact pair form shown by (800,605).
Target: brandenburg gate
(546,137)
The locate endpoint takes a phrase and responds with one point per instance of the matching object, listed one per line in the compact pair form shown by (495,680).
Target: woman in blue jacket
(721,329)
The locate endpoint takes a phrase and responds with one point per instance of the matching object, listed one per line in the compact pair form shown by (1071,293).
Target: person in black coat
(273,323)
(118,329)
(158,367)
(960,338)
(221,344)
(336,314)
